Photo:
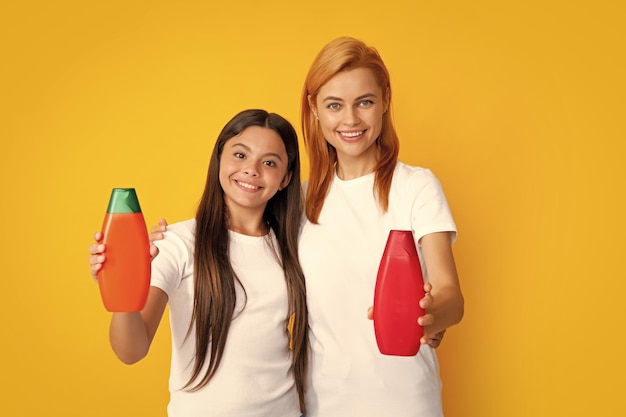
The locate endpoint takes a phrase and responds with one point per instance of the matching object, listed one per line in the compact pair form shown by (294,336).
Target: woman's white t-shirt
(340,258)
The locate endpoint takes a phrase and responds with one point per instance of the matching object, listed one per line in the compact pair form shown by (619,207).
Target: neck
(349,168)
(258,230)
(248,225)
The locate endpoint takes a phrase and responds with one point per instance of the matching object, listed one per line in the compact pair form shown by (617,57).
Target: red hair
(344,54)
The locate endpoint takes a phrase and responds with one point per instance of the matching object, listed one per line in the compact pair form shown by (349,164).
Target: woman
(357,192)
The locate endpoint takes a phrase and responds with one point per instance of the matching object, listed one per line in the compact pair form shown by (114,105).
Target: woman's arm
(445,304)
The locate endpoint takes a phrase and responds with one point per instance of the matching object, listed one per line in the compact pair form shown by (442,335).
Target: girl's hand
(96,250)
(97,258)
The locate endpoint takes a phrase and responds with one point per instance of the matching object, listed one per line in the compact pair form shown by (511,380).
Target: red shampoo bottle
(399,289)
(124,279)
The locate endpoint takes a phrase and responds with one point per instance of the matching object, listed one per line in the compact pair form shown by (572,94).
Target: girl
(357,192)
(233,283)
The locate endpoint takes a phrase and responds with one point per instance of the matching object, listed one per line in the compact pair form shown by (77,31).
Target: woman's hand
(427,319)
(433,340)
(157,233)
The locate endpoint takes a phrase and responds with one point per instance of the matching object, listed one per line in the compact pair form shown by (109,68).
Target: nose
(251,169)
(351,117)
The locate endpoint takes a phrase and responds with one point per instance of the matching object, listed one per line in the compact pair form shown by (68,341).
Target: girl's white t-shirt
(255,376)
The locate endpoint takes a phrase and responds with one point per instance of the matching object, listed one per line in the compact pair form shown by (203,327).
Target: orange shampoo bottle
(124,278)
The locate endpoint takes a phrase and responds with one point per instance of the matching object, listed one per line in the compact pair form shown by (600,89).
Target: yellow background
(517,107)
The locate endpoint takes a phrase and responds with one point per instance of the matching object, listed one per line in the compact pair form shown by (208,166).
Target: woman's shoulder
(416,182)
(411,173)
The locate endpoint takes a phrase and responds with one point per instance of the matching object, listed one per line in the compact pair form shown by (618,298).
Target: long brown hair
(214,278)
(344,54)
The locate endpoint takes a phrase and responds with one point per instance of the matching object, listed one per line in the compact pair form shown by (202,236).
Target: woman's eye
(366,103)
(334,106)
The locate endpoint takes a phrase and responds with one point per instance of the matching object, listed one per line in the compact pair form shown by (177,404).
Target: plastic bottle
(399,289)
(124,279)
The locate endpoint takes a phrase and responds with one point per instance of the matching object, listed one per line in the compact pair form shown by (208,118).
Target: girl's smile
(253,168)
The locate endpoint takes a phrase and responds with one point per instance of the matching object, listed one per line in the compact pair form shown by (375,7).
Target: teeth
(352,134)
(248,186)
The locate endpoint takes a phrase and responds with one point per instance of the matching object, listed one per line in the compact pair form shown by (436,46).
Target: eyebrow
(333,98)
(246,147)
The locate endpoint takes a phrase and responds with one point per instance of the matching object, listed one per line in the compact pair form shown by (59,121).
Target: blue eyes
(363,103)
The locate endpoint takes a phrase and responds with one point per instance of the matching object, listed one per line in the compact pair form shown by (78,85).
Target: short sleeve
(430,212)
(175,259)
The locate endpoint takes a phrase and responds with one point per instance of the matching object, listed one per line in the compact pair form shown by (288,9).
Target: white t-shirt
(255,376)
(340,258)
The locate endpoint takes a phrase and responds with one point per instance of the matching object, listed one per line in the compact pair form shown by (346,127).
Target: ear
(312,106)
(285,181)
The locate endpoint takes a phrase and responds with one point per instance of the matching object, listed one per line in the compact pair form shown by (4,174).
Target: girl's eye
(334,106)
(270,163)
(239,155)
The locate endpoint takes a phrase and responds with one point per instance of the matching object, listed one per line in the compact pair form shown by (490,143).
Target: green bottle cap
(124,200)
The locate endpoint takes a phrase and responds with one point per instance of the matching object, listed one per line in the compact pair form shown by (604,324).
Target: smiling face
(350,108)
(253,168)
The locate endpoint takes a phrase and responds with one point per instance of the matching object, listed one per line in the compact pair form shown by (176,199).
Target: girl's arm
(444,304)
(131,334)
